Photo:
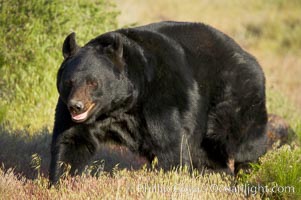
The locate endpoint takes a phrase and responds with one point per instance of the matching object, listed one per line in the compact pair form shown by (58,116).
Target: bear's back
(197,38)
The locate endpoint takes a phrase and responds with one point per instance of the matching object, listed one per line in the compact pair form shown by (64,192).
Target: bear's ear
(115,48)
(115,51)
(70,47)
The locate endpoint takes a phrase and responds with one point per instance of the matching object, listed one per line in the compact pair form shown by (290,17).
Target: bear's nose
(76,106)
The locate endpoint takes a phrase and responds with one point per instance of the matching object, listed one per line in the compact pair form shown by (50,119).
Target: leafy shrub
(280,168)
(31,36)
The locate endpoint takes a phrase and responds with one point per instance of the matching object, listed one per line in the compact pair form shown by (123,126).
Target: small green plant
(154,164)
(36,163)
(281,170)
(96,168)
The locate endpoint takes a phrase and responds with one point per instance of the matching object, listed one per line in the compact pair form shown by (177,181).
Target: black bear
(182,92)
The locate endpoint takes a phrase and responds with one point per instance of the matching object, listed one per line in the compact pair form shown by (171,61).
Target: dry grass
(123,184)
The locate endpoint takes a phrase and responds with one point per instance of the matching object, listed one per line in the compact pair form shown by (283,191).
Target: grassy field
(31,34)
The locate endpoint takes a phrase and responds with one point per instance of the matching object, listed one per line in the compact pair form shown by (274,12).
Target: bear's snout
(80,111)
(80,104)
(76,106)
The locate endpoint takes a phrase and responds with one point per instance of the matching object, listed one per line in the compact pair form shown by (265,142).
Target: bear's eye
(92,83)
(68,83)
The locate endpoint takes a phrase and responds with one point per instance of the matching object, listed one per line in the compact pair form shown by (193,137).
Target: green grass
(279,168)
(31,37)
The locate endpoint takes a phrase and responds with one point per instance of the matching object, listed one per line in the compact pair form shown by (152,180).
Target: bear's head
(92,80)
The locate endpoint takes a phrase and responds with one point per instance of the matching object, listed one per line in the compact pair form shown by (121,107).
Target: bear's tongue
(81,116)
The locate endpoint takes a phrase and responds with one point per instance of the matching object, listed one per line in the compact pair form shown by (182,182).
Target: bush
(31,37)
(280,168)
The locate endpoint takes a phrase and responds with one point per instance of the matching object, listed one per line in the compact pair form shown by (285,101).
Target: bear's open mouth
(82,116)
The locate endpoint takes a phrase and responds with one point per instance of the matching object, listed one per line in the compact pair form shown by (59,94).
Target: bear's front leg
(58,149)
(74,147)
(56,164)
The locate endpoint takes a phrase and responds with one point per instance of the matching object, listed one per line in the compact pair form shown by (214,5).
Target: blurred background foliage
(31,37)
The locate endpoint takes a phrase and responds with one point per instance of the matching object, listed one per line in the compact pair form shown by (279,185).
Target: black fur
(182,92)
